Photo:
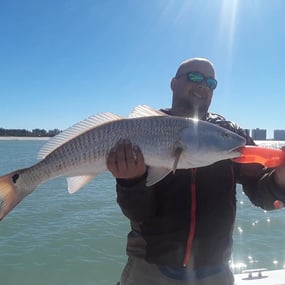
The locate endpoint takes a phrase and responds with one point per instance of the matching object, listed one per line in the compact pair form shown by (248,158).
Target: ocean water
(54,238)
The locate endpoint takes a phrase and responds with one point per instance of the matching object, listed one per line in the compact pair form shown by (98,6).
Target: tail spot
(15,177)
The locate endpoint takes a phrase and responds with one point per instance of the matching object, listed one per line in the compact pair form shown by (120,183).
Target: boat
(260,276)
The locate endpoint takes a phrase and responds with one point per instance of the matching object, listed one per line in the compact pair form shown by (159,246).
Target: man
(182,226)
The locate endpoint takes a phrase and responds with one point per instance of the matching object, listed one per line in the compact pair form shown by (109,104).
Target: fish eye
(15,178)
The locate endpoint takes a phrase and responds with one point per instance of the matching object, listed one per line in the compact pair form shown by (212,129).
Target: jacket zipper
(192,218)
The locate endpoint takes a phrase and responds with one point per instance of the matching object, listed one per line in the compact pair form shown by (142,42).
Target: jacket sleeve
(260,186)
(136,200)
(258,182)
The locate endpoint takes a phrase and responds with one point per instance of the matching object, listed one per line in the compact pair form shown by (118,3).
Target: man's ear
(173,83)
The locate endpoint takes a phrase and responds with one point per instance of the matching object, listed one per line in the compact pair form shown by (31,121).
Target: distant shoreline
(4,138)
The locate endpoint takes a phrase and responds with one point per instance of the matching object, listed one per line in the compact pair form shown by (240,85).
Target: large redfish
(80,152)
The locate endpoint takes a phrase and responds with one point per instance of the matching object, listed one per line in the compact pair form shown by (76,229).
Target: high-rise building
(258,134)
(279,135)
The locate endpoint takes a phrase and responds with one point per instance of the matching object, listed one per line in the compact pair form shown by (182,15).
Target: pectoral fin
(77,182)
(156,174)
(177,155)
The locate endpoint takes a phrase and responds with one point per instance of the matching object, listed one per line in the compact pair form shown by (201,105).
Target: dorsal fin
(76,130)
(145,111)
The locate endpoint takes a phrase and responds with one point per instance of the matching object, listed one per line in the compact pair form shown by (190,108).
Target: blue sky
(62,61)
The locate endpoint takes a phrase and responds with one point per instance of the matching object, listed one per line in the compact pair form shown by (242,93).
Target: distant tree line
(27,133)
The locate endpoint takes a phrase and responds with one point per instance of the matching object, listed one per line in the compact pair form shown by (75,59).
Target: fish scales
(147,134)
(91,148)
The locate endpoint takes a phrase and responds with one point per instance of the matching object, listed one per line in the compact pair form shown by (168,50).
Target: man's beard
(196,111)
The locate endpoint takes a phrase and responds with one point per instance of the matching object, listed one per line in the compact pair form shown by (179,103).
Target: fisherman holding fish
(181,226)
(176,172)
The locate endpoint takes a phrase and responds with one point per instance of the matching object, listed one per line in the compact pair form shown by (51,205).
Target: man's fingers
(140,164)
(126,160)
(123,149)
(112,160)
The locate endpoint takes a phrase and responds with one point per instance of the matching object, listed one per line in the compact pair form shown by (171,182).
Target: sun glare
(228,18)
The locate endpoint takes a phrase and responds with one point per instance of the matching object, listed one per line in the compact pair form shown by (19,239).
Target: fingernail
(278,204)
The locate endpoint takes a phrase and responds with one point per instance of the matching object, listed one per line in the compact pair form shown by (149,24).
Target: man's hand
(126,161)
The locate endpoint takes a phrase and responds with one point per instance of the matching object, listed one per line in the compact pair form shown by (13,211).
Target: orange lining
(192,218)
(268,157)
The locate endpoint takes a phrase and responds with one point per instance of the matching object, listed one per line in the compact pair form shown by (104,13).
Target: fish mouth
(239,149)
(236,151)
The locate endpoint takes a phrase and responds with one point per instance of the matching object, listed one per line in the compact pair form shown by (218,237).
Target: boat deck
(260,276)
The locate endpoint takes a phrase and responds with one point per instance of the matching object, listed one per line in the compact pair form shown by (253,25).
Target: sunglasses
(198,77)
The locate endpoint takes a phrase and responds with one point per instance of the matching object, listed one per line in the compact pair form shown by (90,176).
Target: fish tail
(8,195)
